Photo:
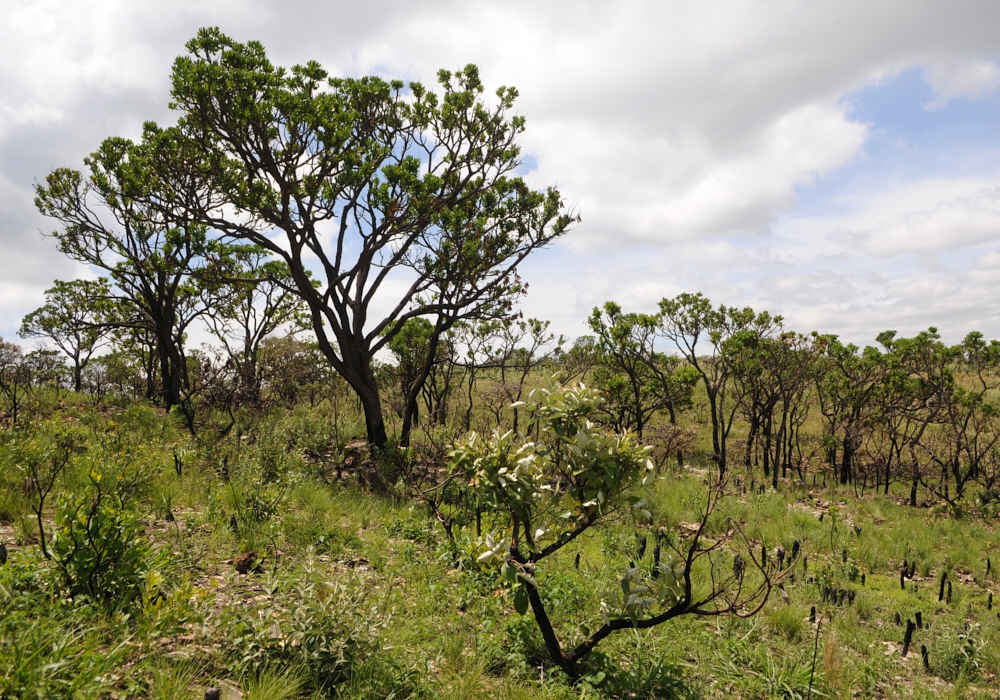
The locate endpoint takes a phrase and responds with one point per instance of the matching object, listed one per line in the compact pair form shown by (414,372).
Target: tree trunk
(717,437)
(673,422)
(846,465)
(410,411)
(171,377)
(374,422)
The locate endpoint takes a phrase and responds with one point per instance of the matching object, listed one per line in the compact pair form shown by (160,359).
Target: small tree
(291,368)
(690,322)
(544,494)
(582,356)
(410,348)
(969,430)
(846,394)
(519,347)
(16,378)
(112,218)
(252,298)
(72,319)
(638,381)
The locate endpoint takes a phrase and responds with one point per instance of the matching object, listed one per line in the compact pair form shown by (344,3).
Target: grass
(362,597)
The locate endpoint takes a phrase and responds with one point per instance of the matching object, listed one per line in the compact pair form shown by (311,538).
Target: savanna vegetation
(377,480)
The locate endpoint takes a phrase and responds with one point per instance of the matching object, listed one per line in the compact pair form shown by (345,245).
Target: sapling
(545,492)
(44,463)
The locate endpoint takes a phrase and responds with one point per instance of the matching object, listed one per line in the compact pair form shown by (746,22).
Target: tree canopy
(395,195)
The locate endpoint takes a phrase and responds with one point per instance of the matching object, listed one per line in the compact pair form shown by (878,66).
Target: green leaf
(509,573)
(521,601)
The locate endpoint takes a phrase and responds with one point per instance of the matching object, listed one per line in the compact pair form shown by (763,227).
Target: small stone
(213,694)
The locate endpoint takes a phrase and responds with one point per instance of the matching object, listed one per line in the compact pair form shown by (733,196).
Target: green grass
(372,578)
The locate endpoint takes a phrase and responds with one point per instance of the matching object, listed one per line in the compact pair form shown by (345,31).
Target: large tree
(402,201)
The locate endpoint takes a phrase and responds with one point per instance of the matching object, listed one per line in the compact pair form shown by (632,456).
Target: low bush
(329,629)
(99,546)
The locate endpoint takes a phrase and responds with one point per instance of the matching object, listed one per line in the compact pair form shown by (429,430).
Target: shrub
(324,627)
(99,544)
(958,656)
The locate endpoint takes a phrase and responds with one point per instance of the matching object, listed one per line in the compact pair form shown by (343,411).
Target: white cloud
(682,131)
(961,79)
(928,216)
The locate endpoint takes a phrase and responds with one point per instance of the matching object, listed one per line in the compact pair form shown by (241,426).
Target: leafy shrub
(647,677)
(541,494)
(98,543)
(169,610)
(250,510)
(324,627)
(958,656)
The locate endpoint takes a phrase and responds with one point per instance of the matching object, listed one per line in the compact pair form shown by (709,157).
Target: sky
(834,162)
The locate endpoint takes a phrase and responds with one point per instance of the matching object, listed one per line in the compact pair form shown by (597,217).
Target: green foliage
(99,545)
(49,649)
(787,621)
(267,684)
(637,380)
(173,682)
(318,522)
(325,628)
(747,667)
(551,488)
(74,318)
(409,347)
(957,655)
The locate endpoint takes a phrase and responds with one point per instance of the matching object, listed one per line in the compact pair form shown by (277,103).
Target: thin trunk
(847,464)
(673,421)
(410,411)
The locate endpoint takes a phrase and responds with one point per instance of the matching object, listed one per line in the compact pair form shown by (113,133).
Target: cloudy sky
(836,162)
